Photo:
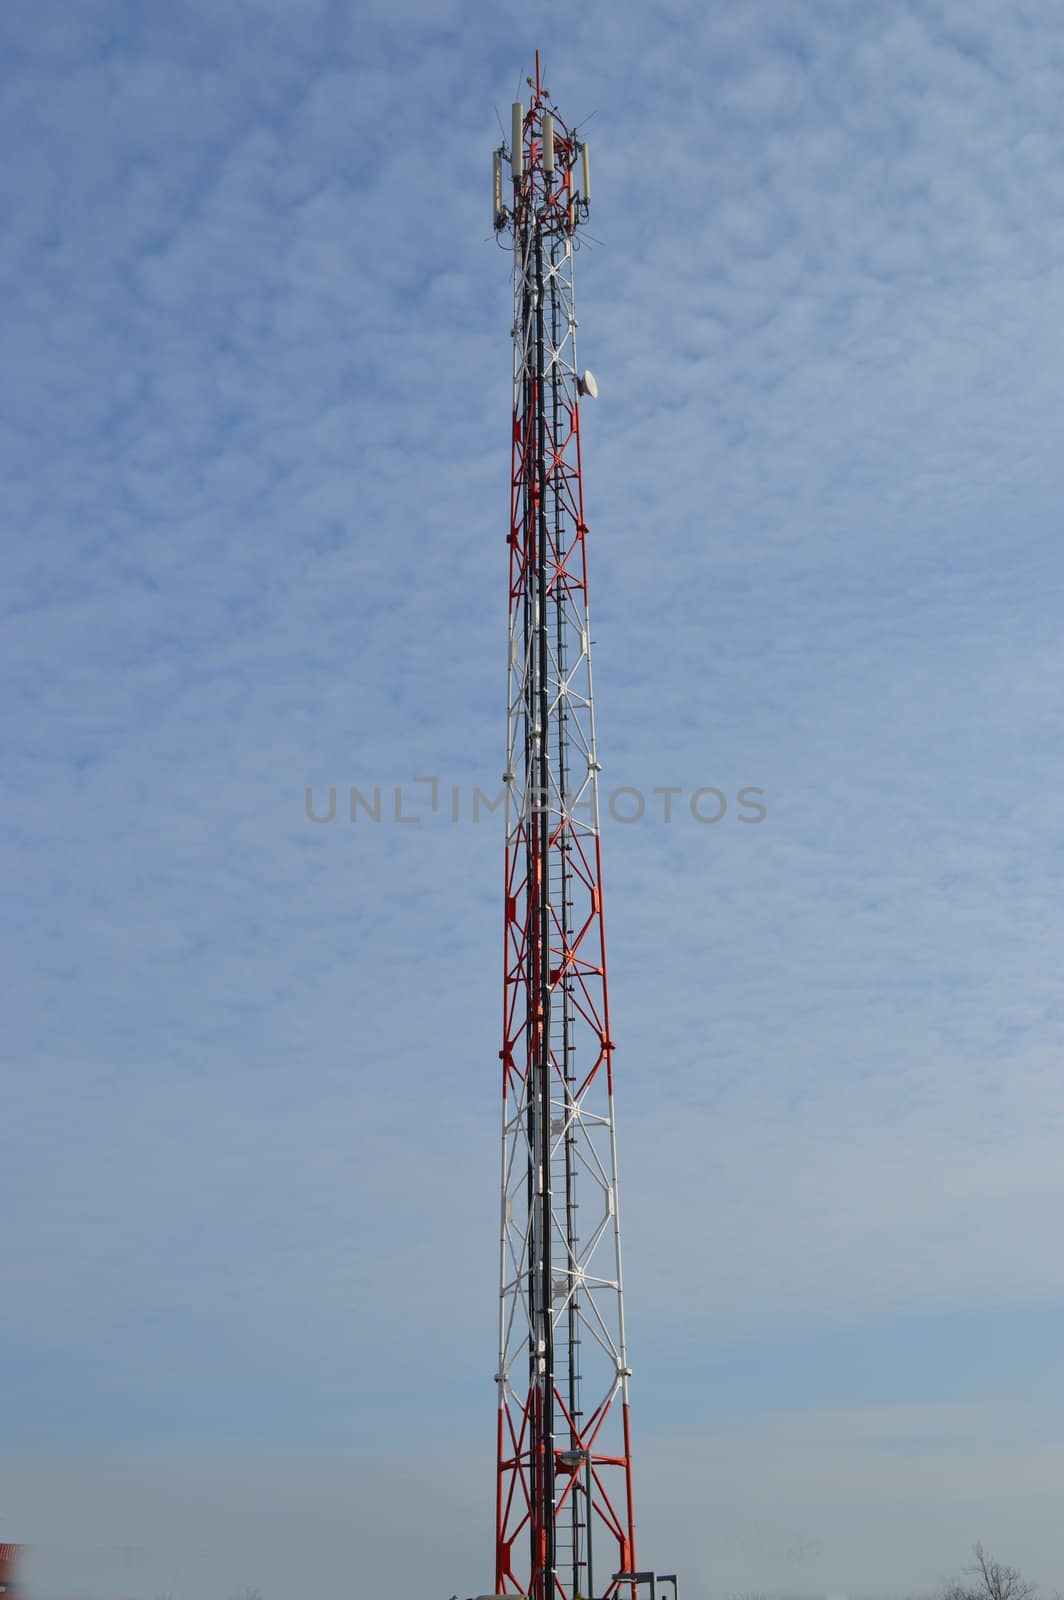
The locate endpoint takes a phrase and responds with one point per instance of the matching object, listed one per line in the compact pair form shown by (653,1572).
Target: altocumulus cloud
(254,442)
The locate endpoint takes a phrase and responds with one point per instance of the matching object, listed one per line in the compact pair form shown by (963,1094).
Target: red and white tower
(564,1496)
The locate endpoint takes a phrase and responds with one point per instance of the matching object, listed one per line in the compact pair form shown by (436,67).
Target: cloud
(254,448)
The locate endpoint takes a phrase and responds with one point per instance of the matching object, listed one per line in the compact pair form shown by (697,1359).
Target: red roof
(9,1554)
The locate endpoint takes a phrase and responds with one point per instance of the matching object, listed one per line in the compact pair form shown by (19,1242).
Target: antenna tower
(564,1525)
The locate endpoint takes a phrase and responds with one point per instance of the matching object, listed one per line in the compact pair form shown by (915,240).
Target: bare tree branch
(990,1580)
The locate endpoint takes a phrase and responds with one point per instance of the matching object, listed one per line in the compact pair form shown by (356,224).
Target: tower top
(549,168)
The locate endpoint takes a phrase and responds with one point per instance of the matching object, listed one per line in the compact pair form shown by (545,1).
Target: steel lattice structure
(564,1487)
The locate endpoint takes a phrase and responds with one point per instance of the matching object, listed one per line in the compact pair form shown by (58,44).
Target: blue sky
(254,448)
